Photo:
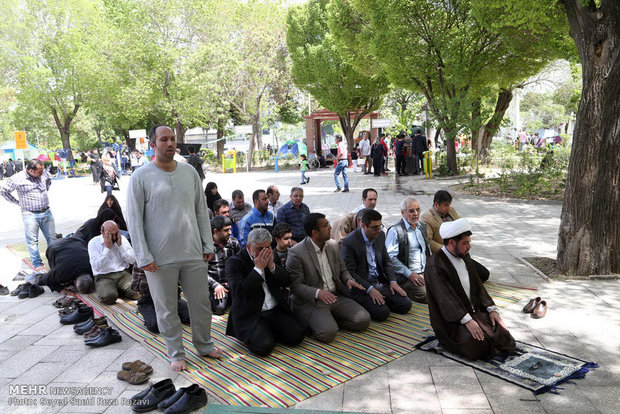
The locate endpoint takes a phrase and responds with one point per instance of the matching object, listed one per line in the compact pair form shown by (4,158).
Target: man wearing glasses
(408,249)
(367,260)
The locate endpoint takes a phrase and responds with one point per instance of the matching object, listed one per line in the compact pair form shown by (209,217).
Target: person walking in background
(304,168)
(342,165)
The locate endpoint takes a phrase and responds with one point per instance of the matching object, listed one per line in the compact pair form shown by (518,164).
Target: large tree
(320,68)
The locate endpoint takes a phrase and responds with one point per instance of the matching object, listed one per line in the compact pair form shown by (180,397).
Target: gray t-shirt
(167,215)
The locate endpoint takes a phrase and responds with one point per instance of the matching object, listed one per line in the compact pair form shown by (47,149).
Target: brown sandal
(137,366)
(132,377)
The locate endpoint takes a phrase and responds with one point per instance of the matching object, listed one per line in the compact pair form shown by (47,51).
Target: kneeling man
(463,315)
(110,256)
(259,315)
(321,282)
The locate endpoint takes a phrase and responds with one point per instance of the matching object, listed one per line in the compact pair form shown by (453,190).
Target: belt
(342,159)
(38,211)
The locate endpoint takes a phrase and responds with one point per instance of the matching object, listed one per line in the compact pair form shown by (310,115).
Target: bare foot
(178,366)
(216,353)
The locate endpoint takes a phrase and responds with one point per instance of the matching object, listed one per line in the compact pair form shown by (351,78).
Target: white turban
(451,229)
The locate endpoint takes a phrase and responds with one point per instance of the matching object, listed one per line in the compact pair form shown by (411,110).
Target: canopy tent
(8,150)
(293,147)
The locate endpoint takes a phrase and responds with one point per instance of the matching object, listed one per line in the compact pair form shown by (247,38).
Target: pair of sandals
(136,372)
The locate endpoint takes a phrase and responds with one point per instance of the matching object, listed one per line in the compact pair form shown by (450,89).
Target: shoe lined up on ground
(148,399)
(135,373)
(86,326)
(80,314)
(186,399)
(537,307)
(105,337)
(4,290)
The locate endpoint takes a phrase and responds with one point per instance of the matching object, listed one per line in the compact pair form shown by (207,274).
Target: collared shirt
(254,219)
(32,191)
(115,259)
(360,207)
(237,214)
(446,218)
(342,151)
(463,273)
(365,148)
(269,302)
(217,265)
(371,258)
(326,270)
(417,256)
(295,218)
(274,207)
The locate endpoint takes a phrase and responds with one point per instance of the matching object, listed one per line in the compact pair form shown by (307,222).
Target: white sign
(243,129)
(137,133)
(381,123)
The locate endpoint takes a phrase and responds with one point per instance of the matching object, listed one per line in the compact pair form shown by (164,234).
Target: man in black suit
(419,147)
(367,260)
(260,316)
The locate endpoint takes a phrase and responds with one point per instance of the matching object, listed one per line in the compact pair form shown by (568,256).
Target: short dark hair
(400,135)
(84,283)
(191,149)
(219,222)
(217,204)
(293,189)
(153,130)
(281,229)
(237,194)
(33,164)
(256,194)
(338,137)
(370,215)
(381,136)
(442,196)
(457,238)
(311,222)
(365,192)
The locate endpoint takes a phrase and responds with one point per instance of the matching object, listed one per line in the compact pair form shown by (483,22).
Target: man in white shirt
(463,315)
(110,256)
(273,194)
(369,200)
(365,154)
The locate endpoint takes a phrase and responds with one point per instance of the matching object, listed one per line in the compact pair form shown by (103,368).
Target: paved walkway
(582,320)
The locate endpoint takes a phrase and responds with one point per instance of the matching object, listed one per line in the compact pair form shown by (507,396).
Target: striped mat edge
(292,374)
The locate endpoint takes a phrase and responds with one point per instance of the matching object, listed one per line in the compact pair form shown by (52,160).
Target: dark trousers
(393,303)
(400,164)
(275,325)
(419,163)
(219,306)
(146,308)
(496,340)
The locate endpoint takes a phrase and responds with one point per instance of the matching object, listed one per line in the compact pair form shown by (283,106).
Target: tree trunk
(504,97)
(64,127)
(220,142)
(451,150)
(180,131)
(476,122)
(347,129)
(437,135)
(589,236)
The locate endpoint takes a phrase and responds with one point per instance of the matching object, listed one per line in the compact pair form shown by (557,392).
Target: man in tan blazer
(321,282)
(441,212)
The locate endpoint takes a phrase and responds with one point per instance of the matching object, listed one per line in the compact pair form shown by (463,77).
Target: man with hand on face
(259,315)
(321,283)
(408,248)
(169,225)
(110,256)
(463,315)
(367,260)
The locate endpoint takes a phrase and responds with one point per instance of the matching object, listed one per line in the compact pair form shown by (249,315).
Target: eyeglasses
(375,228)
(417,210)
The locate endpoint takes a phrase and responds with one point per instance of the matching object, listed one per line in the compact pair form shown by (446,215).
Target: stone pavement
(582,320)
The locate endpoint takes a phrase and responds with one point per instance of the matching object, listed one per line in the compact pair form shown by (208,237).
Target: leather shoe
(144,392)
(83,327)
(540,310)
(24,291)
(106,337)
(190,398)
(79,315)
(35,290)
(531,305)
(18,289)
(158,392)
(95,321)
(94,331)
(4,290)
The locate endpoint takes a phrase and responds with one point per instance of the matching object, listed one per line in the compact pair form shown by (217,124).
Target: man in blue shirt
(367,260)
(294,212)
(258,217)
(408,249)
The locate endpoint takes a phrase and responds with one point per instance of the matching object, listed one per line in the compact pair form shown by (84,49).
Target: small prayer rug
(534,368)
(101,308)
(292,374)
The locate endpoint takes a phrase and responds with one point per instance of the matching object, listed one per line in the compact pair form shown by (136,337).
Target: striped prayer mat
(121,305)
(292,374)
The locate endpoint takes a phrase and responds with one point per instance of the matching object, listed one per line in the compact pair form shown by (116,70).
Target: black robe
(448,304)
(68,259)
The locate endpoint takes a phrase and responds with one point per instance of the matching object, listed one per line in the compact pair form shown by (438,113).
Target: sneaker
(4,290)
(35,291)
(336,190)
(346,190)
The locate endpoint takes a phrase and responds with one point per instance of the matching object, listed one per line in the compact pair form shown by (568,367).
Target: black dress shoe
(24,292)
(35,290)
(144,392)
(106,337)
(79,315)
(193,397)
(4,290)
(18,289)
(83,327)
(159,392)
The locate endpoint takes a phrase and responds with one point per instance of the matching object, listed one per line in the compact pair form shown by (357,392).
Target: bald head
(110,226)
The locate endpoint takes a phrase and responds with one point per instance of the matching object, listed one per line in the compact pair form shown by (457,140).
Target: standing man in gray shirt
(171,235)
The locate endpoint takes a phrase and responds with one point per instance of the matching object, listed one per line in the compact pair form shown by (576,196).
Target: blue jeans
(341,167)
(32,223)
(303,177)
